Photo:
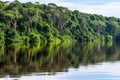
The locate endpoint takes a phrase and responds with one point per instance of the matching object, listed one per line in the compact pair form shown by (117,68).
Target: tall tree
(31,13)
(13,16)
(3,5)
(57,16)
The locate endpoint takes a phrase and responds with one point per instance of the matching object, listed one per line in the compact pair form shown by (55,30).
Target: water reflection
(18,59)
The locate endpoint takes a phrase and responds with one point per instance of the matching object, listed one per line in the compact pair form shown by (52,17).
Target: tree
(12,12)
(3,5)
(112,28)
(31,13)
(57,16)
(13,16)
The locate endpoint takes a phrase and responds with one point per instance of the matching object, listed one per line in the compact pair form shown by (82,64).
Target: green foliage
(118,38)
(12,36)
(49,37)
(34,37)
(57,40)
(1,36)
(25,39)
(102,37)
(108,38)
(33,22)
(67,39)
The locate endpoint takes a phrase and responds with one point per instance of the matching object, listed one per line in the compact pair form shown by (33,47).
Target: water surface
(92,61)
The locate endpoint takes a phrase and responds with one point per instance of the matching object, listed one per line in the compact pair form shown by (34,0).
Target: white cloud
(108,9)
(105,70)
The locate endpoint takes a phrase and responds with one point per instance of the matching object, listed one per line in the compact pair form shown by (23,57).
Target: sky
(101,7)
(100,71)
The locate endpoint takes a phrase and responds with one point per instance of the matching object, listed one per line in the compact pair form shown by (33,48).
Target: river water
(92,61)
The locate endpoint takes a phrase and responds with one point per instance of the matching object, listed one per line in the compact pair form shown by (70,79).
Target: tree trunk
(30,24)
(14,23)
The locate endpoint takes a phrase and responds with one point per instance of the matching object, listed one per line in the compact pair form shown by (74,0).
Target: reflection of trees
(19,59)
(1,51)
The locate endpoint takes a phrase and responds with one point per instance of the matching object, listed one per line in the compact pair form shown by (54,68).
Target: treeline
(33,22)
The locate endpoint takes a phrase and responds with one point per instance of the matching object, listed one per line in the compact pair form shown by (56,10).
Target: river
(92,61)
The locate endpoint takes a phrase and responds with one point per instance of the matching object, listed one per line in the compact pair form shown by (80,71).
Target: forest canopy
(35,22)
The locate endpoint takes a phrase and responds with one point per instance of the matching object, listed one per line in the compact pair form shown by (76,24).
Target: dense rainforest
(33,22)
